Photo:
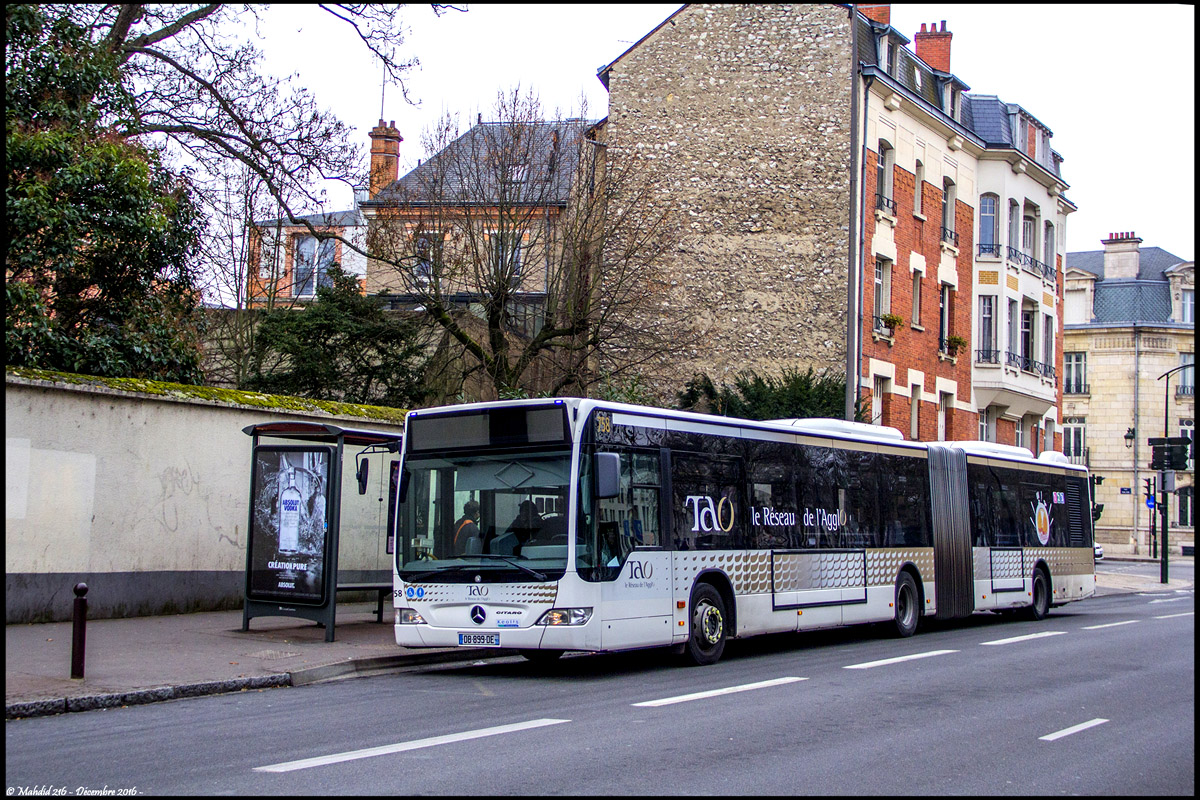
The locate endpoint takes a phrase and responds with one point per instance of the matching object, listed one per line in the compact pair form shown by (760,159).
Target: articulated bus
(580,525)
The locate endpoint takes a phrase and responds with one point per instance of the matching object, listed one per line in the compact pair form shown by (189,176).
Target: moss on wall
(214,395)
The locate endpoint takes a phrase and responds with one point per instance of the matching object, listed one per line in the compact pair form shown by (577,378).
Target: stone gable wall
(743,116)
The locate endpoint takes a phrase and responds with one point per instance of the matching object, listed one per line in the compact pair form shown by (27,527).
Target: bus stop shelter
(295,518)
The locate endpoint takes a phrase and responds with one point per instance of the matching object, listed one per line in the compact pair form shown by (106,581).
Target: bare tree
(509,238)
(196,77)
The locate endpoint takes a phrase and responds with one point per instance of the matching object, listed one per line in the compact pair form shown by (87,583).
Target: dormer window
(891,56)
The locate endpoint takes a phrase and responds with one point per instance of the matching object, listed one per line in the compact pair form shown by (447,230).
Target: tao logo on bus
(640,570)
(708,514)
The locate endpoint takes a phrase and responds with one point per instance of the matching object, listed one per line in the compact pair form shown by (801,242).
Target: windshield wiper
(508,560)
(459,567)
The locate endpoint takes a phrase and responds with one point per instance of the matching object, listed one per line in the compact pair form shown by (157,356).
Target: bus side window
(707,509)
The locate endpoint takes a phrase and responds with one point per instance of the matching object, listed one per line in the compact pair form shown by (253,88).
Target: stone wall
(742,114)
(141,490)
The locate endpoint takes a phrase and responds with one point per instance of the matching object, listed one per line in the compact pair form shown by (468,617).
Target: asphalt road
(1099,698)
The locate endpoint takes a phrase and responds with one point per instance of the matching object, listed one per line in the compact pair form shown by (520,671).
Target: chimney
(385,156)
(877,12)
(933,46)
(1122,257)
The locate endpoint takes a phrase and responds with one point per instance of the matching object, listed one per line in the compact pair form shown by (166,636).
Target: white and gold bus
(574,524)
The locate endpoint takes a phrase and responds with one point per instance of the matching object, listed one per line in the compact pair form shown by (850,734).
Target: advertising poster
(289,524)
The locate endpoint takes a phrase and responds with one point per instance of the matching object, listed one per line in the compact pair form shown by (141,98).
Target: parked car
(1099,550)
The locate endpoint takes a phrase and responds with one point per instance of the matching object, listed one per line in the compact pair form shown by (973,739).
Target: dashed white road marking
(1172,600)
(886,661)
(1083,726)
(746,687)
(400,747)
(1172,616)
(1026,638)
(1109,625)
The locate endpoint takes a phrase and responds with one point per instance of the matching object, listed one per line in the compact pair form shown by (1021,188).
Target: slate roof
(464,172)
(1146,298)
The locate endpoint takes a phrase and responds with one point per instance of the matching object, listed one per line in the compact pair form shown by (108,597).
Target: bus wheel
(707,639)
(1041,596)
(908,606)
(541,656)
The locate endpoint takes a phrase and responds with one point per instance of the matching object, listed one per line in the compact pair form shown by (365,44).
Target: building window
(945,316)
(1027,344)
(507,254)
(1049,245)
(1019,432)
(312,263)
(428,246)
(883,184)
(916,297)
(989,221)
(914,414)
(883,292)
(1028,235)
(1187,377)
(987,330)
(944,400)
(986,428)
(1185,502)
(882,385)
(1075,379)
(1188,314)
(1075,439)
(1014,224)
(949,194)
(1048,345)
(918,191)
(1014,346)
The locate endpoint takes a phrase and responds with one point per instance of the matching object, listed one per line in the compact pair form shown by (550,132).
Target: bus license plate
(479,640)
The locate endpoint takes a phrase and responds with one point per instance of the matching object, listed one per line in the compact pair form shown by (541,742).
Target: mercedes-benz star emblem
(478,615)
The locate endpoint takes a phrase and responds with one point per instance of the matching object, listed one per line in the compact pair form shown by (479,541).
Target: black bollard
(79,630)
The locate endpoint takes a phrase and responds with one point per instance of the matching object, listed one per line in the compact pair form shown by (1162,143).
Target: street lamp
(1130,437)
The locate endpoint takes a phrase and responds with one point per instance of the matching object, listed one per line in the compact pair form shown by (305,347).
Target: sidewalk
(150,659)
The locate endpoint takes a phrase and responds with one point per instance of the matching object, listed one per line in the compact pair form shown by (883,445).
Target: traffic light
(1149,487)
(1097,510)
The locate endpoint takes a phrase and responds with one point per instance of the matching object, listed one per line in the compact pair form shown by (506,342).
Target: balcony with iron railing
(990,250)
(1030,264)
(885,204)
(1185,390)
(949,237)
(987,356)
(1082,459)
(1076,387)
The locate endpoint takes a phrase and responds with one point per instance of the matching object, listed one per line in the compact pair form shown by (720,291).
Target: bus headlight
(565,616)
(408,616)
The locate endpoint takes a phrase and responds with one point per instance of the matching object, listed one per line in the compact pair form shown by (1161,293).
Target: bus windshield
(485,517)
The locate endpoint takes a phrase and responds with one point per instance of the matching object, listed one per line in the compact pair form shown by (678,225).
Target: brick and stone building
(1129,319)
(827,182)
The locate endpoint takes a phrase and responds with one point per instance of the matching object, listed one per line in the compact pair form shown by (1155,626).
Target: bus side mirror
(608,475)
(364,467)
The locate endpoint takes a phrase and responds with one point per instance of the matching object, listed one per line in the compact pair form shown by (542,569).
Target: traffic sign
(1150,502)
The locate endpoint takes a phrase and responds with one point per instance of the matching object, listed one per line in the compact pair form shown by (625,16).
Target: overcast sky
(1116,85)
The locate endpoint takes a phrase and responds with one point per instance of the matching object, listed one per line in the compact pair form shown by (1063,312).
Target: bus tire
(541,656)
(907,606)
(706,639)
(1040,606)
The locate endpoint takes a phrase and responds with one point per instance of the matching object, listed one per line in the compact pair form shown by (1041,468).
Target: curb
(62,705)
(345,669)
